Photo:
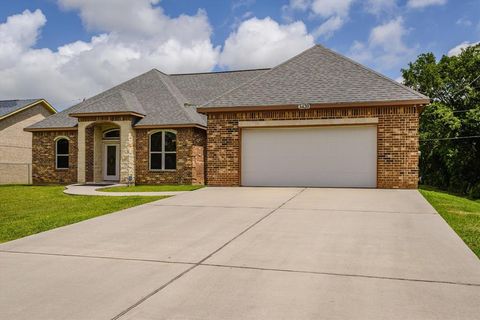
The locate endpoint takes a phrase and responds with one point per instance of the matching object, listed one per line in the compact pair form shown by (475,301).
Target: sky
(67,50)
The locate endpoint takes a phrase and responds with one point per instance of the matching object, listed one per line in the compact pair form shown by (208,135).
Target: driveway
(248,253)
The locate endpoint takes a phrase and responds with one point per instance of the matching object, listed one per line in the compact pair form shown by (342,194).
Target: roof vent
(304,106)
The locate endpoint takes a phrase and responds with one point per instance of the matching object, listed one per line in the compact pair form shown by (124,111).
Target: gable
(316,76)
(11,107)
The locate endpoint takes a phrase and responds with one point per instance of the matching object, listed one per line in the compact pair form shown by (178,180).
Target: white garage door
(341,156)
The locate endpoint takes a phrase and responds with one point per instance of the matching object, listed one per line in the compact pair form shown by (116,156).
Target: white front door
(111,162)
(343,156)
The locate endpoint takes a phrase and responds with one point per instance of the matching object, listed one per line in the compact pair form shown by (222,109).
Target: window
(61,153)
(112,134)
(163,150)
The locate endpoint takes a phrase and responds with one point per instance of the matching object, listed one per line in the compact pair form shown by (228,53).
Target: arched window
(61,153)
(112,134)
(163,150)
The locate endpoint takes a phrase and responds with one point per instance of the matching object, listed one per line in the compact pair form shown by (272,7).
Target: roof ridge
(172,88)
(176,93)
(374,72)
(218,72)
(127,98)
(111,89)
(67,110)
(260,75)
(96,98)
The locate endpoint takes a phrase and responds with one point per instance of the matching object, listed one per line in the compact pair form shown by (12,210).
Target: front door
(111,163)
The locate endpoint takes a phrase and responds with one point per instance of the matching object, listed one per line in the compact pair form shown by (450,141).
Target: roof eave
(412,102)
(100,114)
(166,126)
(50,129)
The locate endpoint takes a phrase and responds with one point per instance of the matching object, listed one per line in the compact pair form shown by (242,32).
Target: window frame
(111,138)
(57,139)
(162,152)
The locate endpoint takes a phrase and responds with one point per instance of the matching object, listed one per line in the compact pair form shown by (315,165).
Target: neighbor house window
(61,153)
(163,150)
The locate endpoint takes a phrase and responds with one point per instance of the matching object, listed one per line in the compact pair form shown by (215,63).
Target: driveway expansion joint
(95,257)
(200,206)
(151,294)
(359,211)
(334,274)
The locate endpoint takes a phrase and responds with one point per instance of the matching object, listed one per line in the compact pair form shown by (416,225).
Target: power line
(454,138)
(465,87)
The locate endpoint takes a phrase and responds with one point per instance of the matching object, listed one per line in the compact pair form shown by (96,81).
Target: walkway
(93,190)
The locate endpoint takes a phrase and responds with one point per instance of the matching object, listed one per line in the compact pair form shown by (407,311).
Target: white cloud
(385,48)
(18,34)
(464,22)
(378,7)
(333,13)
(301,5)
(329,8)
(328,28)
(425,3)
(455,51)
(264,43)
(132,42)
(135,37)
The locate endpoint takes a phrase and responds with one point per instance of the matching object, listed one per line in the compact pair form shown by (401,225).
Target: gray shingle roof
(164,99)
(117,101)
(9,106)
(199,88)
(317,76)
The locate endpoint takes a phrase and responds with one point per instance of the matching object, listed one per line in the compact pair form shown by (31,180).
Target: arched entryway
(106,151)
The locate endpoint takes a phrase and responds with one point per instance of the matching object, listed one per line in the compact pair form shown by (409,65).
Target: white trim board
(303,123)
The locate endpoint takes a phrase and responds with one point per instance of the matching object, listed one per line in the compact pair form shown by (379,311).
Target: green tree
(448,160)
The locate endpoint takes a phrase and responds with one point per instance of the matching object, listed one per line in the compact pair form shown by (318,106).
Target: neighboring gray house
(15,143)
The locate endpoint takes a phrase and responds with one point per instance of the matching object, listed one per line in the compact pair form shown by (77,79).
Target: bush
(474,192)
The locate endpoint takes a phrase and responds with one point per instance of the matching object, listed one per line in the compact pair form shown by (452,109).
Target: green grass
(26,210)
(462,214)
(152,188)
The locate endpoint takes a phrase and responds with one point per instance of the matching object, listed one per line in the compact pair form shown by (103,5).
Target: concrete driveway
(248,253)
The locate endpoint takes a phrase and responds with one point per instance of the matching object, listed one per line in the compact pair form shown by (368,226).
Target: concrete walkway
(248,253)
(95,190)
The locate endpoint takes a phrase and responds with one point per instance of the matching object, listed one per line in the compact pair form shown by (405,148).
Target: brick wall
(397,141)
(199,154)
(190,155)
(43,158)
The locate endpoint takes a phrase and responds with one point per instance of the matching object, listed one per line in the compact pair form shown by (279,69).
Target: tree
(448,158)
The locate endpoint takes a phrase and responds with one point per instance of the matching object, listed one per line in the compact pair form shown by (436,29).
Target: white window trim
(162,152)
(61,155)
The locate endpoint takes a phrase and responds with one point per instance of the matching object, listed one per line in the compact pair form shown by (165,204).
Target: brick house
(15,143)
(318,119)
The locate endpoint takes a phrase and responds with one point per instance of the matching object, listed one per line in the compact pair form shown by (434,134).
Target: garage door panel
(319,156)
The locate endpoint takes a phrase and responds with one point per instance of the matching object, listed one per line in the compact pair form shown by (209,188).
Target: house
(318,119)
(15,143)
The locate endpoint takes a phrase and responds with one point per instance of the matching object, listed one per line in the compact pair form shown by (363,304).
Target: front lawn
(26,210)
(151,188)
(462,214)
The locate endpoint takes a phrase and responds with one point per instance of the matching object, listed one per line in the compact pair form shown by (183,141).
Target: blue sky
(65,50)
